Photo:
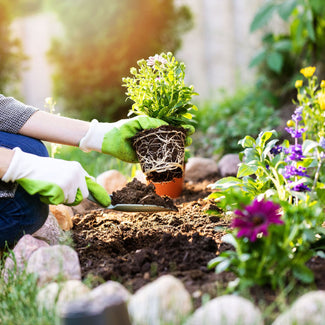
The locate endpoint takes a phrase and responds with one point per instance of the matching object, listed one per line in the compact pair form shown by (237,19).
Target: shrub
(222,123)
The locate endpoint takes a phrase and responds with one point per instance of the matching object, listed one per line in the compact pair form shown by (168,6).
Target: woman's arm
(54,128)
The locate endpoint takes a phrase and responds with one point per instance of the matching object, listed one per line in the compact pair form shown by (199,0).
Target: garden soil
(137,248)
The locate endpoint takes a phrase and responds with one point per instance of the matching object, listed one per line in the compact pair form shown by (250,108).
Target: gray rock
(53,263)
(309,309)
(25,247)
(198,168)
(164,301)
(227,310)
(50,232)
(228,165)
(58,294)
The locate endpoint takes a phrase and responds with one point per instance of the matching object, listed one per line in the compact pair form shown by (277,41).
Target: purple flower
(157,58)
(297,114)
(276,150)
(290,171)
(294,153)
(301,188)
(295,132)
(322,142)
(256,218)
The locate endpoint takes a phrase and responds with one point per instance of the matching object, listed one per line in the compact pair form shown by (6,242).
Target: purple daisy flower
(256,218)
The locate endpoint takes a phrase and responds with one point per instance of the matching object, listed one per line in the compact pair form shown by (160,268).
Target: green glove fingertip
(98,192)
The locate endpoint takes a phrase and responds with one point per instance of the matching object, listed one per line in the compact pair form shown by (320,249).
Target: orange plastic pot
(173,188)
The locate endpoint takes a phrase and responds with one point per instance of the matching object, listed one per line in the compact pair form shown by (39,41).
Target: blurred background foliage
(11,52)
(102,41)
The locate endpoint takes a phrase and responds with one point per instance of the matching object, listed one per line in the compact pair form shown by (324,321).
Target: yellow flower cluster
(321,101)
(308,72)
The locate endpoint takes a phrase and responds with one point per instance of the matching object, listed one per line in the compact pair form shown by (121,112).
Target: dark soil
(136,248)
(136,192)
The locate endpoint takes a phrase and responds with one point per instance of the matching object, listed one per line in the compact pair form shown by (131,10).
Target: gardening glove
(56,181)
(114,138)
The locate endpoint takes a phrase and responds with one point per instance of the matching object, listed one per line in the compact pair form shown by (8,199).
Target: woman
(30,180)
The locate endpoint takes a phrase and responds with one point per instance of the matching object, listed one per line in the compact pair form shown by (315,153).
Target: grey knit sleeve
(13,114)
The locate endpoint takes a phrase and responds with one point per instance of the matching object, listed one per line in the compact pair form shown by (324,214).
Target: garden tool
(132,207)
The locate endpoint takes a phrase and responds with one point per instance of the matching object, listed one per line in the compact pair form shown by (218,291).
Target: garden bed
(136,248)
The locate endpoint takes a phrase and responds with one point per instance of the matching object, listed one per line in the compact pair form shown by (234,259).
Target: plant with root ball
(158,90)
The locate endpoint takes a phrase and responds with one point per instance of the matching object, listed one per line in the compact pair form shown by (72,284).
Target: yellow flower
(298,83)
(308,72)
(290,123)
(322,84)
(321,101)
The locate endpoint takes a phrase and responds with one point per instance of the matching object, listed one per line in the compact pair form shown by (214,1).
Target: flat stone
(227,310)
(164,301)
(25,247)
(59,262)
(63,215)
(199,168)
(306,310)
(228,165)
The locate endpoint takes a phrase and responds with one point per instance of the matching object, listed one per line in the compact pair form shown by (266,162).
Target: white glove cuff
(13,171)
(93,139)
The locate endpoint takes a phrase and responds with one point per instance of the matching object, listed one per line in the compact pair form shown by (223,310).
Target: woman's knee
(26,144)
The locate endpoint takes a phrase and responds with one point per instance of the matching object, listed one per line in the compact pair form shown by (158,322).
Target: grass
(18,303)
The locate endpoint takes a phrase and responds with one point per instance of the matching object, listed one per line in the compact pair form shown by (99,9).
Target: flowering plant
(158,89)
(278,197)
(271,241)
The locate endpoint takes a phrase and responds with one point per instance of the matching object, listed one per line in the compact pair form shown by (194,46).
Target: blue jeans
(25,213)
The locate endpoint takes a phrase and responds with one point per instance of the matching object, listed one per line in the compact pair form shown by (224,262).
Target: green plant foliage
(11,54)
(102,40)
(18,300)
(301,44)
(221,124)
(267,250)
(94,162)
(158,90)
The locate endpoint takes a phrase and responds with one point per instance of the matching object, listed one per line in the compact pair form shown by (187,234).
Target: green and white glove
(113,138)
(55,180)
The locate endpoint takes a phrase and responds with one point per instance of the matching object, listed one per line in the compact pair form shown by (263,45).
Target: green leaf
(247,142)
(263,16)
(286,8)
(263,137)
(226,183)
(246,170)
(310,26)
(321,195)
(258,58)
(229,239)
(303,273)
(283,45)
(275,61)
(308,145)
(223,266)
